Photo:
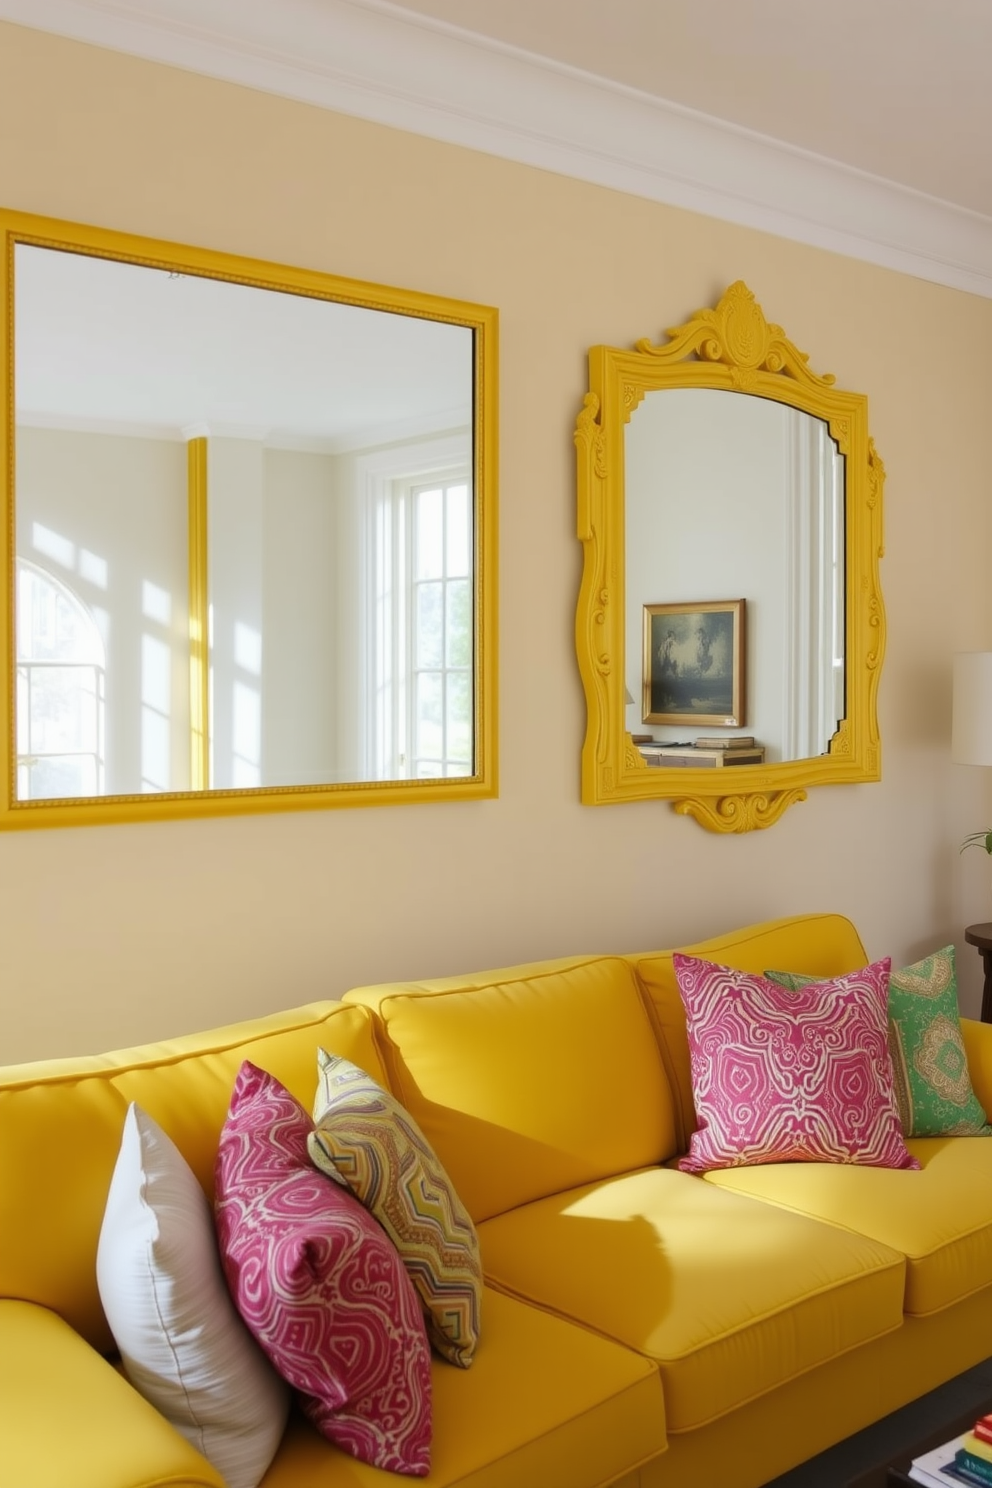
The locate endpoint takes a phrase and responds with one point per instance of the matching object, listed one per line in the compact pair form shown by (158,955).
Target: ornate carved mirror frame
(734,349)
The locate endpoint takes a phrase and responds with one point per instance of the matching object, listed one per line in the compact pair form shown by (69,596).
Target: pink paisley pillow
(780,1076)
(320,1285)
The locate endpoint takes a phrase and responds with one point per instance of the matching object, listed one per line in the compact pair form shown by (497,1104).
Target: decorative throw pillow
(182,1343)
(363,1137)
(780,1076)
(320,1285)
(929,1063)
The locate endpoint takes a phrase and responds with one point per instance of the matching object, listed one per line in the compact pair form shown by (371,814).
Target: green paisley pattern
(929,1065)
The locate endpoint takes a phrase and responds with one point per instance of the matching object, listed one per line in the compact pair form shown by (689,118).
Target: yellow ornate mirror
(730,511)
(249,535)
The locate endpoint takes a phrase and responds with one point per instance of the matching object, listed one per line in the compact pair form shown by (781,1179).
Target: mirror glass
(247,535)
(729,495)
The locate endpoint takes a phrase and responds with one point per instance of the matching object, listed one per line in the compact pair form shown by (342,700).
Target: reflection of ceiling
(860,127)
(121,348)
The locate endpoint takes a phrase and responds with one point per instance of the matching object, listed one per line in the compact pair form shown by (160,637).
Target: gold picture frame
(694,663)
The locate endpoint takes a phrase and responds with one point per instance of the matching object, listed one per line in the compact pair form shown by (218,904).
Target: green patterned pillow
(929,1065)
(365,1139)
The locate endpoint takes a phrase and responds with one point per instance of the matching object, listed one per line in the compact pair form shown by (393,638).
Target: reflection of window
(423,629)
(60,671)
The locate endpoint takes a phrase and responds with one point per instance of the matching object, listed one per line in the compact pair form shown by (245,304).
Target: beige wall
(113,935)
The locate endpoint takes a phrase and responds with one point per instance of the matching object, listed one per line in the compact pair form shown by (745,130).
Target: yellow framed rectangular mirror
(249,536)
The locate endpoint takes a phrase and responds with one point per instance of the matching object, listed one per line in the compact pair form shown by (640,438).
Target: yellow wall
(114,935)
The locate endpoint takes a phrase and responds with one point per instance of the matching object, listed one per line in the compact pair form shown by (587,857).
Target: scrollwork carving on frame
(737,334)
(743,813)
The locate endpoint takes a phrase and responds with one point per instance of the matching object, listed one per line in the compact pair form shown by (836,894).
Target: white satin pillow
(182,1342)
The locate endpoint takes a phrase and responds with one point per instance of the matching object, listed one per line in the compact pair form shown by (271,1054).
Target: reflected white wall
(713,507)
(303,684)
(106,514)
(235,544)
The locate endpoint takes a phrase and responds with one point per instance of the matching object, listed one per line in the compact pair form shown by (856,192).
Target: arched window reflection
(60,690)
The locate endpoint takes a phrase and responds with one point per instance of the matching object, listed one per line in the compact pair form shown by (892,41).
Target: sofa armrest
(68,1418)
(978,1047)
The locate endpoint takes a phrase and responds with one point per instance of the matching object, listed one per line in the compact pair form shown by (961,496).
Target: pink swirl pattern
(789,1076)
(319,1284)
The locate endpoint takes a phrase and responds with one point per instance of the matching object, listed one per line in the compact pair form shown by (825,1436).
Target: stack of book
(703,753)
(966,1459)
(724,741)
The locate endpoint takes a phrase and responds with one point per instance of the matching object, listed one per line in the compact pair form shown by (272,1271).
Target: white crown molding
(371,59)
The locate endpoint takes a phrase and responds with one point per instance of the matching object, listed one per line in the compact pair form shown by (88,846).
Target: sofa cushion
(48,1253)
(320,1284)
(940,1218)
(824,945)
(505,1073)
(789,1076)
(363,1137)
(182,1343)
(929,1063)
(545,1405)
(69,1419)
(731,1299)
(977,1040)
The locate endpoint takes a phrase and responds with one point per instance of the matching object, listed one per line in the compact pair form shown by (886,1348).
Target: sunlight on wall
(156,690)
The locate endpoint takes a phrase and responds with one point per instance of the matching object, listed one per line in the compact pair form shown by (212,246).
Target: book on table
(974,1456)
(963,1460)
(730,741)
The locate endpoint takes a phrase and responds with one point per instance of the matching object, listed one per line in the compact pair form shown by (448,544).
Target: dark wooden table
(981,936)
(894,1473)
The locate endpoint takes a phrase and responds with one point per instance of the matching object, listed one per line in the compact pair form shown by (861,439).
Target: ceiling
(899,88)
(861,126)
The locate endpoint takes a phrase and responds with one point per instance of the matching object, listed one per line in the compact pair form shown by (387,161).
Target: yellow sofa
(640,1325)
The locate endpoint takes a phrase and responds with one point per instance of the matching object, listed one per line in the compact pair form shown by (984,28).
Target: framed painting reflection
(693,663)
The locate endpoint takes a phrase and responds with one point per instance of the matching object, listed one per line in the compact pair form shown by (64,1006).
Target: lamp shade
(971,729)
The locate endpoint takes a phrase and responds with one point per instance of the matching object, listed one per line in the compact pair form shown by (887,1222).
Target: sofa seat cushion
(530,1080)
(543,1403)
(940,1218)
(730,1297)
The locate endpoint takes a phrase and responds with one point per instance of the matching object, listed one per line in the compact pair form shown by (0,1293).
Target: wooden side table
(981,936)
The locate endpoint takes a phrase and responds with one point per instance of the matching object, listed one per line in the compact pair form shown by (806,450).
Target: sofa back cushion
(822,945)
(530,1080)
(60,1133)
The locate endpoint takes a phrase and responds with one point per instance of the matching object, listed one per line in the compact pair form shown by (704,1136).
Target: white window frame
(26,665)
(387,481)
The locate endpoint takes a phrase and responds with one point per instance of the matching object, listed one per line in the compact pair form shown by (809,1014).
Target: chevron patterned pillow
(364,1138)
